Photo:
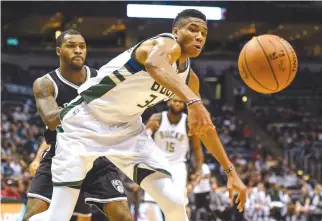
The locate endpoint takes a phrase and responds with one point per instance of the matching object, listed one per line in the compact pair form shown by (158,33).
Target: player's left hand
(197,177)
(235,183)
(33,167)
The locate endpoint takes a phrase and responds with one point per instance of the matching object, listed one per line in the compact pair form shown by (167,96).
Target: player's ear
(58,51)
(175,32)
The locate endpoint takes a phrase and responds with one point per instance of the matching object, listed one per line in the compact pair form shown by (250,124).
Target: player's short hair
(188,13)
(61,37)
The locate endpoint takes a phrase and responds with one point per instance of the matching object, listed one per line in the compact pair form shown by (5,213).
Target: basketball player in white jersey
(169,130)
(105,120)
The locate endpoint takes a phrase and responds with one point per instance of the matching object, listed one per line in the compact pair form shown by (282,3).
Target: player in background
(169,129)
(102,186)
(105,120)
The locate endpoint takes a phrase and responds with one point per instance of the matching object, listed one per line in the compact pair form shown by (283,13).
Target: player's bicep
(194,84)
(44,91)
(158,50)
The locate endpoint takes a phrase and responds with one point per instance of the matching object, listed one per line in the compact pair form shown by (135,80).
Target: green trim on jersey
(69,107)
(98,90)
(59,129)
(106,84)
(119,75)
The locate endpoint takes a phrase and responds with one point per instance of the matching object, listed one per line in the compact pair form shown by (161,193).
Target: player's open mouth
(198,47)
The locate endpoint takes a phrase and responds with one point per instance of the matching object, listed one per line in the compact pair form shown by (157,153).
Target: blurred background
(275,141)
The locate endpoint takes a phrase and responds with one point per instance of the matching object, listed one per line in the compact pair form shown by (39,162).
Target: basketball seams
(289,60)
(277,82)
(250,73)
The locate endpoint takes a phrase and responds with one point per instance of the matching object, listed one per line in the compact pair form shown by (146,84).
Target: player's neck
(174,118)
(182,60)
(76,77)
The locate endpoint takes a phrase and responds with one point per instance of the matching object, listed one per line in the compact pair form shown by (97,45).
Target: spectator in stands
(302,206)
(10,190)
(316,199)
(203,188)
(220,204)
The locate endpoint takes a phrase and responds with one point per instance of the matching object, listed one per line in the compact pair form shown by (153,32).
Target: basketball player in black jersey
(102,186)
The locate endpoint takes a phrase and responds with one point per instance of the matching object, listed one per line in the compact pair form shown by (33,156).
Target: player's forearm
(162,72)
(43,147)
(214,146)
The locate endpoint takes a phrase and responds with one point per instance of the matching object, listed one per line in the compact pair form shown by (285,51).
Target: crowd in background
(276,191)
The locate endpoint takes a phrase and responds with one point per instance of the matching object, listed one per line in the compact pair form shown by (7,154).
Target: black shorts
(101,185)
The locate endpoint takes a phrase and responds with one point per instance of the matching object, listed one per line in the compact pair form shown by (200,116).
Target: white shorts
(179,178)
(82,138)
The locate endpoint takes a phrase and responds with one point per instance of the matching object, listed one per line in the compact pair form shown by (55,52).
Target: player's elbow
(152,66)
(51,126)
(51,121)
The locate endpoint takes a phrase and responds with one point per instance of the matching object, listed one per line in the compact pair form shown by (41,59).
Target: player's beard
(76,67)
(175,112)
(71,65)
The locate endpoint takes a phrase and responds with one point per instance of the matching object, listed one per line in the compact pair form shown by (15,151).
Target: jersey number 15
(170,147)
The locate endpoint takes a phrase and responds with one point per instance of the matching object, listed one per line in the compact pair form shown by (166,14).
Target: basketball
(267,64)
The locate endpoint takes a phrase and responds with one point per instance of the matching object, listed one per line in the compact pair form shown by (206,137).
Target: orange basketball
(267,64)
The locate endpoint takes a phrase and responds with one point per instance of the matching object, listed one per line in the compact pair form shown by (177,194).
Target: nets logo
(118,185)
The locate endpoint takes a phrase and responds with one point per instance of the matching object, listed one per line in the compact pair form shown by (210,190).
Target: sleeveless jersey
(65,91)
(123,89)
(173,139)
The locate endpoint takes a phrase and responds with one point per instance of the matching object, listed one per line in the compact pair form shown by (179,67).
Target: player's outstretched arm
(212,142)
(157,56)
(47,107)
(153,123)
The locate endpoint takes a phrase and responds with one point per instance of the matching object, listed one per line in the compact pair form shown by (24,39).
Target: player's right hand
(199,119)
(235,183)
(33,167)
(153,125)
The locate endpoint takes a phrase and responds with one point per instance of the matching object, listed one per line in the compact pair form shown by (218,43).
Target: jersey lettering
(172,135)
(148,102)
(170,147)
(162,90)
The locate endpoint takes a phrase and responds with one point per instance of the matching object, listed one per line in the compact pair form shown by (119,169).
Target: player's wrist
(193,101)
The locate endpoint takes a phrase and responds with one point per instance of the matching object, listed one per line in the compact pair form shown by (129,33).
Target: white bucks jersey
(173,138)
(123,89)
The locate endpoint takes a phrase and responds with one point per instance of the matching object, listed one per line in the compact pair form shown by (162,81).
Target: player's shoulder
(44,80)
(167,39)
(43,85)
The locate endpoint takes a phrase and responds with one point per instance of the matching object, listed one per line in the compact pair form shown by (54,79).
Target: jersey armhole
(93,72)
(55,85)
